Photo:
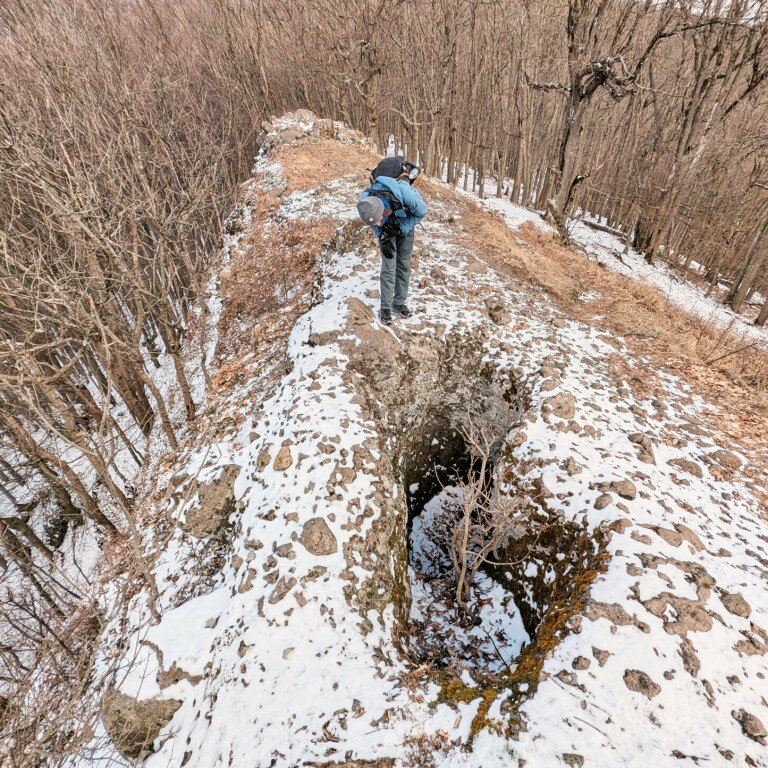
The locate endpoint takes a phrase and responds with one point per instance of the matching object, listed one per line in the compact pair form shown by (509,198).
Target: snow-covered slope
(640,566)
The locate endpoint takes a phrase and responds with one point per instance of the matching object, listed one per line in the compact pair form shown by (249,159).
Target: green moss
(550,632)
(453,692)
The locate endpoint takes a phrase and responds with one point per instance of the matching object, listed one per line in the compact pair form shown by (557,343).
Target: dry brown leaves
(315,163)
(710,360)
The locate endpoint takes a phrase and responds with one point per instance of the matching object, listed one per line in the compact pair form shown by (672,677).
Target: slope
(632,579)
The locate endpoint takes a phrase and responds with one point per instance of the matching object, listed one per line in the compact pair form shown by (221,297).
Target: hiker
(393,208)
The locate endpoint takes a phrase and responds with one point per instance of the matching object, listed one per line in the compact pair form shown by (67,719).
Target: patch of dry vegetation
(718,363)
(313,164)
(268,283)
(275,263)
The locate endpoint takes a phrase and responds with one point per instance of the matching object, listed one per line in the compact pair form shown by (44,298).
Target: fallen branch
(603,228)
(732,352)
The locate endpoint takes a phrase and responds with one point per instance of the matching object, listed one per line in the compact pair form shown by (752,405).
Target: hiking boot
(385,315)
(402,310)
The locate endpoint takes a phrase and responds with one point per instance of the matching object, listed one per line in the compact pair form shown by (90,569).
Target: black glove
(390,229)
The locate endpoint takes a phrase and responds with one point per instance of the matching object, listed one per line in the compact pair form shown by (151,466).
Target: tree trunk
(763,316)
(753,261)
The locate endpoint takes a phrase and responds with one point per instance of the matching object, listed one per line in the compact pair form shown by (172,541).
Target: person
(393,208)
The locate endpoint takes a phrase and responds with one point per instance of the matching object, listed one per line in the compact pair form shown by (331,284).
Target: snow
(436,623)
(305,678)
(670,283)
(610,250)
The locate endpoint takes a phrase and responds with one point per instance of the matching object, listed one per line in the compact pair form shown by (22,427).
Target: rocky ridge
(644,600)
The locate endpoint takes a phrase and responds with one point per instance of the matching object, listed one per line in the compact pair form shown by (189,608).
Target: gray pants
(395,269)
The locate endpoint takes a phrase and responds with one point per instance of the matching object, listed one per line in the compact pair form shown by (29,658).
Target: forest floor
(301,623)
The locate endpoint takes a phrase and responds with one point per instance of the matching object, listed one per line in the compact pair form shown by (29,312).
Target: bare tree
(486,517)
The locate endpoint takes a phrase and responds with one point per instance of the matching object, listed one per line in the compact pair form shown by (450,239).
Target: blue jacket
(414,208)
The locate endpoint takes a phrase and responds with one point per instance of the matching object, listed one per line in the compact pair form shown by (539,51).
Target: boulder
(215,503)
(638,681)
(624,488)
(133,725)
(317,538)
(291,135)
(727,459)
(750,725)
(563,406)
(736,604)
(282,588)
(691,467)
(603,500)
(497,310)
(438,274)
(645,447)
(323,128)
(283,460)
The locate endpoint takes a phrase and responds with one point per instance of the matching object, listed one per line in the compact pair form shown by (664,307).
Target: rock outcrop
(132,724)
(215,503)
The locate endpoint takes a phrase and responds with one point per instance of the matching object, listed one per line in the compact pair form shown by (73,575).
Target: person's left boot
(402,310)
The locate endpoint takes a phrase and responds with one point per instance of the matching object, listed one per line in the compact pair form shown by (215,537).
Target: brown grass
(315,163)
(710,359)
(276,262)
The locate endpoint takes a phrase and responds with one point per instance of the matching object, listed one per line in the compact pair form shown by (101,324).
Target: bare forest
(127,125)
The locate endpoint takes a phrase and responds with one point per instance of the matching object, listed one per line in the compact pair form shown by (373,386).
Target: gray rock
(645,445)
(282,588)
(323,128)
(175,674)
(639,682)
(691,662)
(572,467)
(497,311)
(563,406)
(283,460)
(624,488)
(133,725)
(438,274)
(736,604)
(727,459)
(317,538)
(750,725)
(603,500)
(691,467)
(216,502)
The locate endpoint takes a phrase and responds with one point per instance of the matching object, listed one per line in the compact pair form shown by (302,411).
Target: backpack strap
(384,194)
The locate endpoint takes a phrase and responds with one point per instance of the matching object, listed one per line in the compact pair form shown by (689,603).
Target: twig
(575,717)
(733,352)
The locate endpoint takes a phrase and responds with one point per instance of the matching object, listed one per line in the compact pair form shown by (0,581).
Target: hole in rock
(487,635)
(484,633)
(529,584)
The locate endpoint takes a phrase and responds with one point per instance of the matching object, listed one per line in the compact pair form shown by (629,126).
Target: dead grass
(314,163)
(717,363)
(276,260)
(276,263)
